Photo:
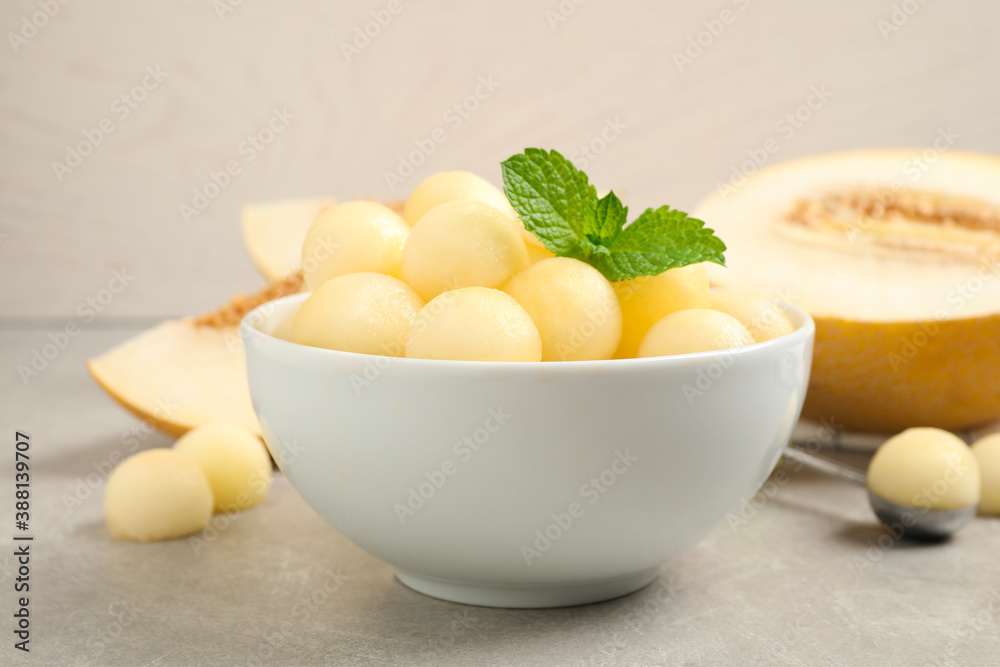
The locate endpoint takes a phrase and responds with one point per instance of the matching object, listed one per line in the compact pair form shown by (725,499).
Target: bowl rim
(250,331)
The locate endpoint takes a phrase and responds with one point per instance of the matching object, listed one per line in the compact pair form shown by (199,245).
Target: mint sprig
(557,203)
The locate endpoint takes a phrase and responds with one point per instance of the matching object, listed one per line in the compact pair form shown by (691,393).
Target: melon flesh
(895,253)
(178,375)
(184,373)
(274,233)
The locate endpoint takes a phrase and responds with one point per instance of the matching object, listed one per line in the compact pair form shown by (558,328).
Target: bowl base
(526,597)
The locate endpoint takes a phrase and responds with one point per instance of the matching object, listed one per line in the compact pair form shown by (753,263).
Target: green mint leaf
(610,218)
(557,203)
(554,199)
(658,240)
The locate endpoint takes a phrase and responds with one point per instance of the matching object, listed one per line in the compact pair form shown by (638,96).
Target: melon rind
(897,343)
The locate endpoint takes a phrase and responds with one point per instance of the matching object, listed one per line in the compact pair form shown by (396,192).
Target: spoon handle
(825,466)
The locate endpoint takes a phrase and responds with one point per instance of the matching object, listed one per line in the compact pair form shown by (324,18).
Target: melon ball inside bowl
(526,483)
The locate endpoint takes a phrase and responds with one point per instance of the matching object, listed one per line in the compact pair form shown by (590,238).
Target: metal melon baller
(913,522)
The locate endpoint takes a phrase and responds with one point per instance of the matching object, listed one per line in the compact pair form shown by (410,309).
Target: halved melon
(895,253)
(274,233)
(183,373)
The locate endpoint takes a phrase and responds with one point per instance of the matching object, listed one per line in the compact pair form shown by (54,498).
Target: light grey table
(806,577)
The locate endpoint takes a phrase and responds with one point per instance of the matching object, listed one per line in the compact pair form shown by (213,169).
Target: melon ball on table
(694,330)
(368,313)
(646,300)
(763,318)
(234,461)
(574,307)
(157,494)
(927,469)
(987,453)
(474,324)
(354,237)
(462,243)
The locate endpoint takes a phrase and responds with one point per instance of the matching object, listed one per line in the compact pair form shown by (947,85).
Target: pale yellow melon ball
(462,243)
(234,461)
(987,453)
(369,313)
(451,185)
(474,324)
(648,299)
(574,307)
(157,494)
(763,318)
(925,468)
(353,237)
(448,186)
(694,330)
(283,329)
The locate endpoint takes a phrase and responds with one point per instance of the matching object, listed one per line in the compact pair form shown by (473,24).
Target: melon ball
(234,461)
(448,186)
(368,313)
(474,324)
(574,307)
(157,494)
(648,299)
(925,468)
(283,329)
(987,453)
(763,318)
(462,243)
(694,330)
(354,237)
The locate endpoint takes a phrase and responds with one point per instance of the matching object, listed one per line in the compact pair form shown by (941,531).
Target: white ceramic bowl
(525,484)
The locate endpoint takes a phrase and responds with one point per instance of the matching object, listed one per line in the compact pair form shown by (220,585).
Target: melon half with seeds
(896,254)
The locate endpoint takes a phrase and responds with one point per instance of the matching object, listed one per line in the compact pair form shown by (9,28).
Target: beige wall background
(894,72)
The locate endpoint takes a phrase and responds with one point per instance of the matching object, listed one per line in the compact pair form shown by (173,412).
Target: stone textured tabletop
(119,124)
(802,575)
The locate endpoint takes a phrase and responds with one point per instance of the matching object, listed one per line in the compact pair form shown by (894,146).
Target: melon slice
(895,253)
(184,373)
(274,233)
